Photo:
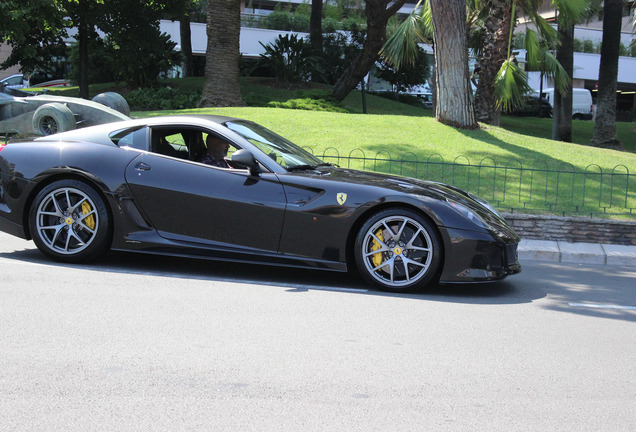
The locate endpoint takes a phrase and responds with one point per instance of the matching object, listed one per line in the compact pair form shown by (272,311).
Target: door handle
(142,166)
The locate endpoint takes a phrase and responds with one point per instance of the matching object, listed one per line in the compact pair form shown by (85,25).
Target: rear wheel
(113,100)
(69,222)
(52,118)
(398,250)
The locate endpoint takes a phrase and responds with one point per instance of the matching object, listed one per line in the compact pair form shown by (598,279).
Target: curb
(578,253)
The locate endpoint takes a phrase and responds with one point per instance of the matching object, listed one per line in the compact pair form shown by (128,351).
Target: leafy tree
(35,30)
(221,85)
(100,61)
(289,57)
(408,75)
(339,51)
(85,15)
(377,14)
(142,52)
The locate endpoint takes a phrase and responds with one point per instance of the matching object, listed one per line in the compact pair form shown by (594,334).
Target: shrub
(289,59)
(308,104)
(163,98)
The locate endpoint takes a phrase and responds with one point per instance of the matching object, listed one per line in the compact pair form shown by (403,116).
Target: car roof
(93,133)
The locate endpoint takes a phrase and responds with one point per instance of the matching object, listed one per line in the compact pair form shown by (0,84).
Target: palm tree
(446,21)
(509,85)
(502,83)
(221,85)
(569,13)
(605,123)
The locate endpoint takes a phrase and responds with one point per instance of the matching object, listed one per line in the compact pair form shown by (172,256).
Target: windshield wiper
(301,167)
(327,164)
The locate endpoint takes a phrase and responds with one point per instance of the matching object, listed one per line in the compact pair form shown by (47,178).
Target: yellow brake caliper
(377,258)
(89,221)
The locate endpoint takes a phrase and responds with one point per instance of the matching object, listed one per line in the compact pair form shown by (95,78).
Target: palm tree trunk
(221,85)
(562,112)
(605,123)
(494,53)
(454,104)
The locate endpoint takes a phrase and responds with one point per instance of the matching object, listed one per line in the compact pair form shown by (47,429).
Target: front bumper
(478,257)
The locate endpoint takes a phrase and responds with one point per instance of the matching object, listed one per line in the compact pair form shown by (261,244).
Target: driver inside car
(217,149)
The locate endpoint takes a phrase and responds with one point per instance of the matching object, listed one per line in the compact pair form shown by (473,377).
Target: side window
(136,138)
(170,142)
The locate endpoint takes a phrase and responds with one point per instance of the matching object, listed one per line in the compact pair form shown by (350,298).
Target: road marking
(602,306)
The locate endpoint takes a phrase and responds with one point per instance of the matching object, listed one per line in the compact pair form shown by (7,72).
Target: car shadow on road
(293,279)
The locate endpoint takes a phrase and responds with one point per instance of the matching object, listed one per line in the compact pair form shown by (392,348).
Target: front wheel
(69,222)
(398,250)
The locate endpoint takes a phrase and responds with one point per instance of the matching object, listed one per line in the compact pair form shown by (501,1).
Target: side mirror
(245,159)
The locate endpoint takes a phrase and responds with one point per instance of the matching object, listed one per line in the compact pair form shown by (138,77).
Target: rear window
(136,138)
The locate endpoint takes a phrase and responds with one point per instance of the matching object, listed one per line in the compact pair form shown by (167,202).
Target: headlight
(467,213)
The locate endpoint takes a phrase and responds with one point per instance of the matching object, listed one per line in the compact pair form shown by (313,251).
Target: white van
(582,107)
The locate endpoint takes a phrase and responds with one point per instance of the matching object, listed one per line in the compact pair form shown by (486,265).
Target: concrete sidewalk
(581,253)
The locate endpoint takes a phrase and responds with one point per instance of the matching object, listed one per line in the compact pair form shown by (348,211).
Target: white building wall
(249,39)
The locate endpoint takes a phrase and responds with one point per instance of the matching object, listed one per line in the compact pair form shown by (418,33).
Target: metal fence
(513,186)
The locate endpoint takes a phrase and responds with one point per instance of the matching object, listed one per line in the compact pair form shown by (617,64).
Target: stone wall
(573,229)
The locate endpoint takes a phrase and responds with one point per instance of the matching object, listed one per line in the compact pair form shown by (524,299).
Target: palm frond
(401,47)
(547,32)
(554,70)
(572,11)
(510,85)
(533,49)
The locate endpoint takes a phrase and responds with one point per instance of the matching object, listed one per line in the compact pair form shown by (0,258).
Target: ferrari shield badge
(341,198)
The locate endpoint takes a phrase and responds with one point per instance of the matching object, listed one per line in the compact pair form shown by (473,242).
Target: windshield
(283,151)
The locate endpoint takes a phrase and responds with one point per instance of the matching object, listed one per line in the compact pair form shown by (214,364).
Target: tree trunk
(82,37)
(315,26)
(494,53)
(605,123)
(562,112)
(454,105)
(377,14)
(315,32)
(221,85)
(186,45)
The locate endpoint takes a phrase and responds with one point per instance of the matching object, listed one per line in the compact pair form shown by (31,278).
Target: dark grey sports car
(138,186)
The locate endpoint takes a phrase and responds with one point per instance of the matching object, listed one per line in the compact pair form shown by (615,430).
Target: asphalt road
(144,343)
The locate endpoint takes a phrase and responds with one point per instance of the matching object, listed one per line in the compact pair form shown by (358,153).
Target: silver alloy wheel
(397,251)
(67,221)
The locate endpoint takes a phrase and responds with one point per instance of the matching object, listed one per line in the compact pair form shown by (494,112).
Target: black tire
(398,250)
(113,100)
(52,118)
(69,222)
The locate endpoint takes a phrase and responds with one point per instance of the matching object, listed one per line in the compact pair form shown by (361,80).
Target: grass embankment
(398,132)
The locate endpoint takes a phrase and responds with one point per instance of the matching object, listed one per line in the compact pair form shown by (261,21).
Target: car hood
(437,195)
(395,183)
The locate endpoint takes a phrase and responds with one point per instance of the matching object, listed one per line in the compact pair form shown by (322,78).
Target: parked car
(13,82)
(19,81)
(582,107)
(533,107)
(138,186)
